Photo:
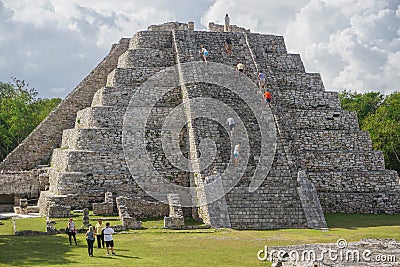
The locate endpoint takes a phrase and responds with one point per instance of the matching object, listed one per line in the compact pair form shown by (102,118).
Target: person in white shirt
(240,67)
(108,232)
(204,52)
(227,27)
(71,231)
(231,124)
(236,153)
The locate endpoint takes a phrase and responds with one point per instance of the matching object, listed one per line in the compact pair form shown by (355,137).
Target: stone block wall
(316,161)
(320,119)
(139,207)
(302,82)
(295,99)
(359,181)
(22,183)
(213,27)
(342,140)
(264,44)
(169,26)
(92,139)
(149,39)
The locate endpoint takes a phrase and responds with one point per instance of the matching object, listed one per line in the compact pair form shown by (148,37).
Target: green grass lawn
(155,246)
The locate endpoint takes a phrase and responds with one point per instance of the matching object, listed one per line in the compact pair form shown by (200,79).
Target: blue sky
(53,45)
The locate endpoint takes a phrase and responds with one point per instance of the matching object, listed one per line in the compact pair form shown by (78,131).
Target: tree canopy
(20,112)
(380,116)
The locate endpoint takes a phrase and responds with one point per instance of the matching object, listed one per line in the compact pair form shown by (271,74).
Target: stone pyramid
(109,130)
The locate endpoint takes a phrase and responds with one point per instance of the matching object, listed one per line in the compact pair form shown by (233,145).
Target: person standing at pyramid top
(227,27)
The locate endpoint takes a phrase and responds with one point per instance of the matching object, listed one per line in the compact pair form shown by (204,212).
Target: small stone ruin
(106,207)
(175,219)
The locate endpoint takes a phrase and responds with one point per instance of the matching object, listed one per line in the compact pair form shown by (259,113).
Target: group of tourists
(102,233)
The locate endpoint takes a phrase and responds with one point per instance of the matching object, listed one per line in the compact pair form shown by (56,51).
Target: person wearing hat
(72,231)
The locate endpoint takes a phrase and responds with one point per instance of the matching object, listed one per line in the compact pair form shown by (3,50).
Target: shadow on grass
(354,221)
(34,250)
(117,256)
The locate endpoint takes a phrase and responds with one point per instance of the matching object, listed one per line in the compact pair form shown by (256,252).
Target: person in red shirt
(268,97)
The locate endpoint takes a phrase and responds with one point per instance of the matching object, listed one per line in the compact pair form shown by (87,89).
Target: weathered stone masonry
(314,134)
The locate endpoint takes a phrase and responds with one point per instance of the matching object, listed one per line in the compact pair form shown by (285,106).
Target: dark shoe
(114,254)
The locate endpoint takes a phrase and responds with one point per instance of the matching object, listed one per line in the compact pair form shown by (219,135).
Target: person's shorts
(261,82)
(236,155)
(206,54)
(110,244)
(231,126)
(229,46)
(268,100)
(241,70)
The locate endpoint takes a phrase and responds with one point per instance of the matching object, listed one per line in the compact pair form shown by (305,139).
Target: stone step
(214,43)
(88,161)
(79,182)
(151,39)
(100,117)
(113,117)
(295,81)
(301,119)
(114,97)
(109,162)
(355,181)
(323,161)
(98,139)
(110,139)
(297,99)
(265,43)
(353,140)
(130,76)
(121,96)
(275,204)
(387,202)
(146,57)
(280,63)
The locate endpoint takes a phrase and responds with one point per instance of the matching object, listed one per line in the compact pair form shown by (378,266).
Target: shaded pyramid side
(36,149)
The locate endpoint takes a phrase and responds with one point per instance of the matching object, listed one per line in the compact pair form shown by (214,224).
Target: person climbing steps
(268,98)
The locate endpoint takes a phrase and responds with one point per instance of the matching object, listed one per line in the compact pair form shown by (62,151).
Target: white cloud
(259,16)
(351,42)
(55,44)
(354,44)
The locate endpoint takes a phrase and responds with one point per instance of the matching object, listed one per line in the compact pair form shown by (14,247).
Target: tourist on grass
(90,240)
(98,229)
(108,232)
(71,231)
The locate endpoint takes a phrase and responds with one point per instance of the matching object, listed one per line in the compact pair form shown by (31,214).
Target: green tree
(384,128)
(363,104)
(20,112)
